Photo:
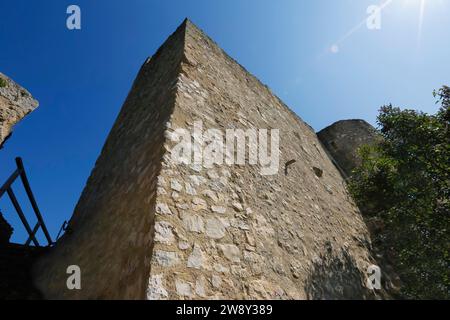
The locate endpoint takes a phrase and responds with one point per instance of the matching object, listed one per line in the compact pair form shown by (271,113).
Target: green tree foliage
(404,181)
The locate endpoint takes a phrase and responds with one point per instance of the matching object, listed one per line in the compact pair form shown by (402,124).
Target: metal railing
(7,188)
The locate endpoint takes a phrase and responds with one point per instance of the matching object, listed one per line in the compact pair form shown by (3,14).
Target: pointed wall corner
(150,226)
(15,103)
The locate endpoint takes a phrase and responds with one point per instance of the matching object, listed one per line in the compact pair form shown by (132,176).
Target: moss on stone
(3,83)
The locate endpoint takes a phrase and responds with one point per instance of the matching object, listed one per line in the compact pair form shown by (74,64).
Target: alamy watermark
(216,147)
(374,277)
(73,21)
(73,282)
(373,21)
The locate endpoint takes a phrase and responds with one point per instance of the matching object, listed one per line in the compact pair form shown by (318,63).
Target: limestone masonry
(342,140)
(15,103)
(146,227)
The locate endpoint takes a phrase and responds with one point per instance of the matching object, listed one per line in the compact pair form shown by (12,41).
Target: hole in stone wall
(318,172)
(287,164)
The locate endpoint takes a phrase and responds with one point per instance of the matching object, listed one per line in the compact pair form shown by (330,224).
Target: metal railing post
(26,185)
(16,205)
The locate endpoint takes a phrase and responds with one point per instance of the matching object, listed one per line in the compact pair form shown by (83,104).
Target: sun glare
(422,12)
(422,8)
(419,6)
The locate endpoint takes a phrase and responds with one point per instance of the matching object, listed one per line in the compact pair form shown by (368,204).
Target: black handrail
(7,187)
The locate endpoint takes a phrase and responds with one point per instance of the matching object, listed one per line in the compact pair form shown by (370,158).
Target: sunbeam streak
(362,23)
(335,47)
(421,17)
(422,4)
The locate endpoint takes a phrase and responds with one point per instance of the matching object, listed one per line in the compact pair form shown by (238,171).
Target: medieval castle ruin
(151,224)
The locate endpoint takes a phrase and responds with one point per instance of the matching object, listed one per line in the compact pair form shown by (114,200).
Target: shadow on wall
(336,278)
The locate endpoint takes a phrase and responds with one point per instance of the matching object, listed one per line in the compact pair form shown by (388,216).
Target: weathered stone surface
(198,204)
(162,208)
(231,252)
(220,268)
(342,140)
(15,104)
(155,289)
(218,209)
(237,206)
(216,281)
(190,190)
(163,232)
(184,289)
(200,287)
(183,245)
(211,195)
(197,180)
(197,258)
(193,223)
(176,185)
(165,258)
(215,228)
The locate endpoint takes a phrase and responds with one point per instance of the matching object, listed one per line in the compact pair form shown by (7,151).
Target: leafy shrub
(404,180)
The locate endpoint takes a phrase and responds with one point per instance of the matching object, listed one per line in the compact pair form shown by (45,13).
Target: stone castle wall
(230,232)
(147,227)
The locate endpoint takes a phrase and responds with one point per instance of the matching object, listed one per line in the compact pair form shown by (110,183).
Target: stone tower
(148,227)
(342,140)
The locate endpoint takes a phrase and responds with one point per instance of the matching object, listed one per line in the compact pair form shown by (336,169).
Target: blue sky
(82,77)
